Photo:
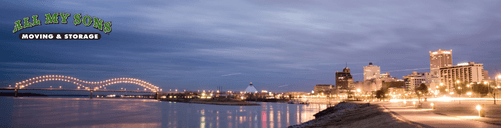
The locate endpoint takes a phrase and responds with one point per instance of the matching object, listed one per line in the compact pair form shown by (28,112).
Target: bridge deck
(98,90)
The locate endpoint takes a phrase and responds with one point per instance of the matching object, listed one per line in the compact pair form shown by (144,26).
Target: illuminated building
(250,89)
(463,72)
(371,72)
(486,75)
(438,59)
(344,80)
(375,84)
(322,88)
(415,79)
(387,76)
(394,84)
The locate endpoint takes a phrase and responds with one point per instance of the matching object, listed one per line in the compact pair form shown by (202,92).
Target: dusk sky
(279,45)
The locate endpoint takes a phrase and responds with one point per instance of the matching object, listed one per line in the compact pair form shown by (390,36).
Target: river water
(136,113)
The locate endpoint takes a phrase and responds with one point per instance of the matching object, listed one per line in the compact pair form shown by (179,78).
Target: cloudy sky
(279,45)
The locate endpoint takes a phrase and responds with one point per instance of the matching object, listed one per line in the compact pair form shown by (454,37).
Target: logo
(86,20)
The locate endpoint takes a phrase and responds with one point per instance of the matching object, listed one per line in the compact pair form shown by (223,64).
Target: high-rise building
(463,72)
(344,80)
(439,59)
(371,72)
(412,81)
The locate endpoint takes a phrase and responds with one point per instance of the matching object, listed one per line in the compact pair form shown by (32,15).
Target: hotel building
(463,72)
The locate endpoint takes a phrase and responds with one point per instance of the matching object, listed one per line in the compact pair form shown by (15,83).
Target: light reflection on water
(99,112)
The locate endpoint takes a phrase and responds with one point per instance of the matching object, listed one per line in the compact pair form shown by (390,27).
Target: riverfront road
(425,118)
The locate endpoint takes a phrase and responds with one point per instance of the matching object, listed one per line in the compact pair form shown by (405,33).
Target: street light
(492,90)
(457,85)
(441,84)
(481,112)
(460,92)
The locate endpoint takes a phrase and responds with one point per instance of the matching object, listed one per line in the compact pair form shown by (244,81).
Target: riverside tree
(480,89)
(381,93)
(460,88)
(422,89)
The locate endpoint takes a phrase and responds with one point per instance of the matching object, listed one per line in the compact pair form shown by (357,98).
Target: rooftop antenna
(346,64)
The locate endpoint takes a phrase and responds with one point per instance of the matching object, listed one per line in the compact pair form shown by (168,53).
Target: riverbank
(214,102)
(351,114)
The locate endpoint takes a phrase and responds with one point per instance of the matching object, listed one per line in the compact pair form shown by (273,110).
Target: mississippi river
(107,112)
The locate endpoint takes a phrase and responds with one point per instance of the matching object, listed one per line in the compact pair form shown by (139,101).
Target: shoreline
(351,114)
(213,102)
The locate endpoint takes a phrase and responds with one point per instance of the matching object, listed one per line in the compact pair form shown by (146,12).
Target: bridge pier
(15,94)
(158,97)
(91,91)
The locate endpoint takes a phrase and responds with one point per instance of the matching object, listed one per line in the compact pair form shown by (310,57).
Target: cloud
(232,74)
(179,43)
(413,69)
(283,85)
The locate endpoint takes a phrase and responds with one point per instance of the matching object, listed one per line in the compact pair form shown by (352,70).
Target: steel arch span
(86,84)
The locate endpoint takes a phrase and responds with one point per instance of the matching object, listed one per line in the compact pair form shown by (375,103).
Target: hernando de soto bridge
(86,85)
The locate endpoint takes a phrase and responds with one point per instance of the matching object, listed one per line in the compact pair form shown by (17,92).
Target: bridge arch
(86,84)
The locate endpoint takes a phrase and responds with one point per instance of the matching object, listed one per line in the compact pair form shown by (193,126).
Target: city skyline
(280,46)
